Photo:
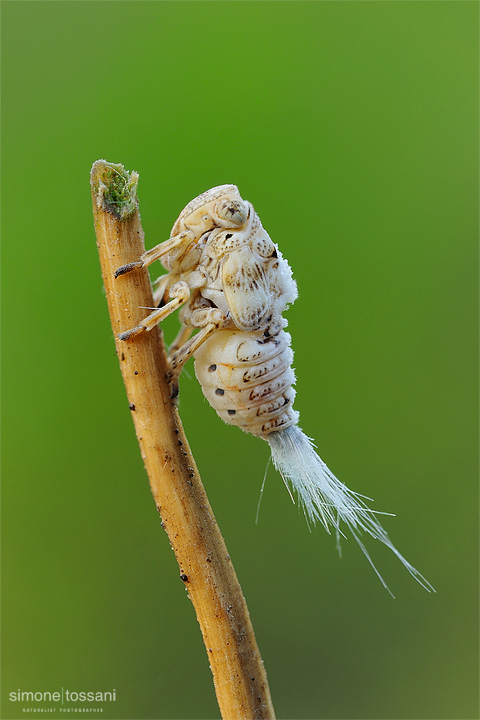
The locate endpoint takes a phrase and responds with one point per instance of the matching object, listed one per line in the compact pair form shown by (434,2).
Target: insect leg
(182,337)
(180,292)
(161,286)
(212,319)
(157,252)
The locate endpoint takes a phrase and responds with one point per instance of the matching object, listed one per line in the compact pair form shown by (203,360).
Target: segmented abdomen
(248,379)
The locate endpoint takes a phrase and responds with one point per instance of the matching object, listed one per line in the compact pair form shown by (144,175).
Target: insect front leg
(148,257)
(180,292)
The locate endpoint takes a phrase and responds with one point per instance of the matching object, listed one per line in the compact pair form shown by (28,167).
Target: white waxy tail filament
(327,500)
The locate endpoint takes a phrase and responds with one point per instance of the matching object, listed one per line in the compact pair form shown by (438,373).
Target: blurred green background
(352,127)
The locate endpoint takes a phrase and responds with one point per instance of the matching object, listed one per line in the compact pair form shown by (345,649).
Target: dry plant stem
(205,566)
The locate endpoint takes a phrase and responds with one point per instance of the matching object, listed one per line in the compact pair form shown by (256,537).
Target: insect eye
(231,213)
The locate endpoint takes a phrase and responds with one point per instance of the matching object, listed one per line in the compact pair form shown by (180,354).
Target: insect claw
(124,269)
(174,387)
(132,333)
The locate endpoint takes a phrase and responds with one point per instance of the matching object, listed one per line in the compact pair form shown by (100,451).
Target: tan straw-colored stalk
(205,566)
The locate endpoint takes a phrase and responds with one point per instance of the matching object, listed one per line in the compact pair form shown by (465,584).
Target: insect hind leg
(180,340)
(209,320)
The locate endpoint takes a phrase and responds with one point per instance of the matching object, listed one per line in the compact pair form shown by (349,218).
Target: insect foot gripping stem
(325,499)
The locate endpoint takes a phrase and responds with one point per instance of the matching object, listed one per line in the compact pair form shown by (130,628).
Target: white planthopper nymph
(233,285)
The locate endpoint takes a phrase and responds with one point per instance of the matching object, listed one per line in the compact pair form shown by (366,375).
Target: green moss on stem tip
(114,188)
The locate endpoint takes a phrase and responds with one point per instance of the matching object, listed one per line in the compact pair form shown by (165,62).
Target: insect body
(233,285)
